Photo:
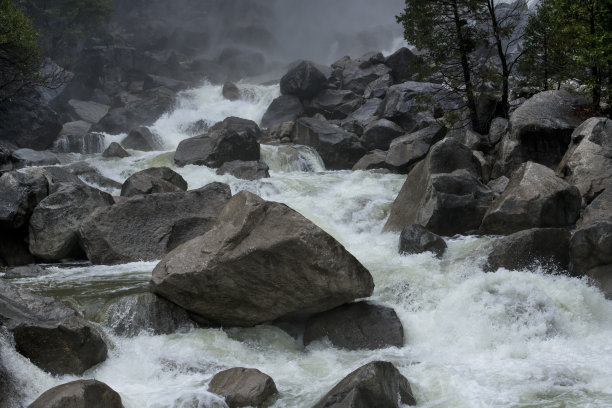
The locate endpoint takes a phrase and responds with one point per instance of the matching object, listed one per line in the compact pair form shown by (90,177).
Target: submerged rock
(415,239)
(376,384)
(247,170)
(153,180)
(356,326)
(79,394)
(243,387)
(261,261)
(115,150)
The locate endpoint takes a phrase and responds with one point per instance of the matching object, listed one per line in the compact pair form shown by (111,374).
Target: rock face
(415,239)
(57,218)
(405,151)
(217,147)
(442,193)
(141,138)
(539,131)
(50,334)
(153,180)
(147,227)
(376,384)
(285,108)
(249,170)
(262,261)
(303,81)
(133,314)
(243,387)
(79,394)
(338,148)
(548,247)
(356,326)
(534,198)
(587,164)
(115,150)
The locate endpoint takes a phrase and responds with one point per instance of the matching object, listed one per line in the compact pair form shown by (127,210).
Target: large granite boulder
(261,261)
(79,394)
(405,151)
(373,160)
(29,124)
(376,384)
(304,81)
(285,108)
(591,253)
(247,170)
(217,147)
(546,247)
(153,180)
(243,387)
(534,198)
(50,334)
(539,131)
(244,127)
(141,138)
(28,157)
(334,103)
(356,74)
(404,65)
(88,111)
(600,209)
(443,193)
(57,218)
(147,227)
(416,239)
(380,134)
(358,120)
(356,326)
(338,148)
(20,193)
(115,150)
(587,164)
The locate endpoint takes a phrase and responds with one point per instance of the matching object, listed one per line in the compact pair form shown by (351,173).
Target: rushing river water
(473,339)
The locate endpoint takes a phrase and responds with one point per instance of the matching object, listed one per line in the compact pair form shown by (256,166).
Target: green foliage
(19,52)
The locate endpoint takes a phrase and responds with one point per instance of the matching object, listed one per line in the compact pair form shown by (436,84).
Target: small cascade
(292,158)
(89,143)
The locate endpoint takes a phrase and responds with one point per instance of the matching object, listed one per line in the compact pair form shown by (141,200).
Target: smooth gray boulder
(217,147)
(261,261)
(338,148)
(243,387)
(587,164)
(285,108)
(356,326)
(304,81)
(79,394)
(372,160)
(380,134)
(57,218)
(405,151)
(149,226)
(376,384)
(141,138)
(153,180)
(546,247)
(230,91)
(115,150)
(416,239)
(534,198)
(247,170)
(50,334)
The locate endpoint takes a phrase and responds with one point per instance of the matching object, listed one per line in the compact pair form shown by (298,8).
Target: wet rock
(57,218)
(149,226)
(358,120)
(405,151)
(591,253)
(338,148)
(76,138)
(88,111)
(50,334)
(534,198)
(29,157)
(379,134)
(115,150)
(56,177)
(416,239)
(247,170)
(547,247)
(91,175)
(26,271)
(153,180)
(303,81)
(539,131)
(29,124)
(587,164)
(79,394)
(356,326)
(230,91)
(244,127)
(376,384)
(217,147)
(404,64)
(130,315)
(267,262)
(334,104)
(243,387)
(372,160)
(141,138)
(442,193)
(20,193)
(285,108)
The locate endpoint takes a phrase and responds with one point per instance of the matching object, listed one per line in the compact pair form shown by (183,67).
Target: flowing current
(473,339)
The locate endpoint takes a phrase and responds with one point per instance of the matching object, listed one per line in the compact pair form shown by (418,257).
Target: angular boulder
(405,151)
(416,239)
(358,120)
(79,394)
(115,150)
(356,326)
(600,209)
(50,334)
(372,160)
(147,227)
(304,81)
(262,261)
(334,103)
(587,164)
(217,147)
(546,247)
(404,64)
(244,127)
(356,74)
(376,384)
(141,138)
(88,111)
(57,218)
(153,180)
(29,124)
(285,108)
(380,134)
(243,387)
(247,170)
(534,198)
(338,148)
